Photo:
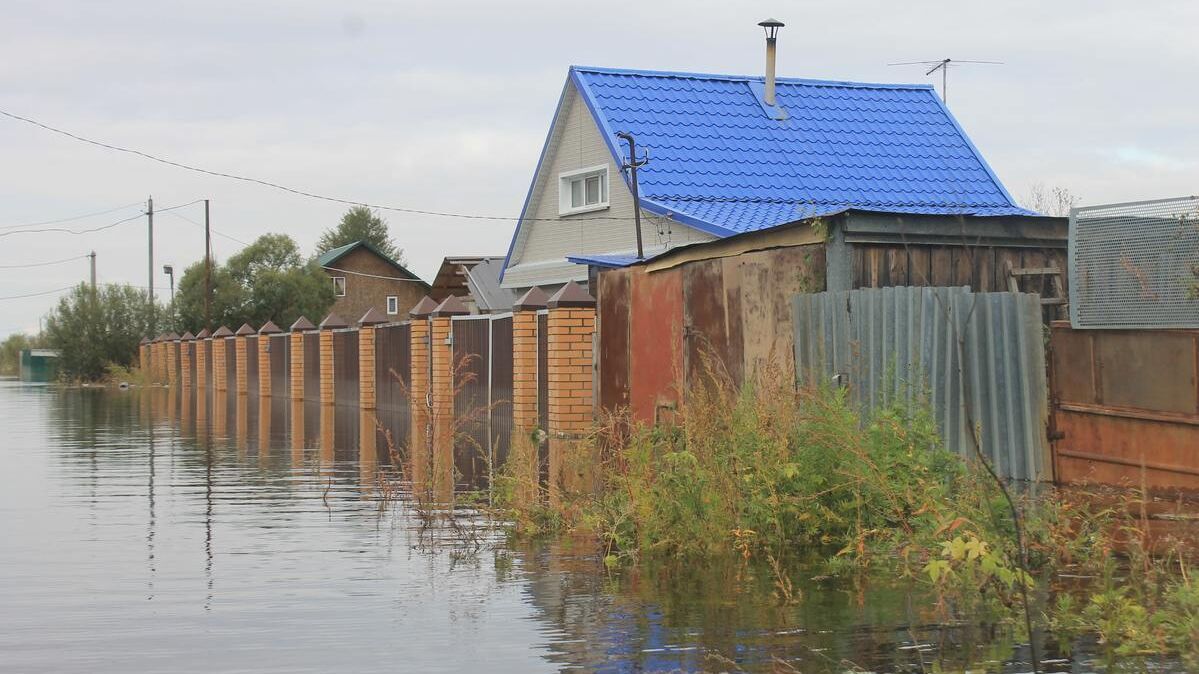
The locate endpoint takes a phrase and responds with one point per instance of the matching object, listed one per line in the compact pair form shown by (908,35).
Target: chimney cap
(771,26)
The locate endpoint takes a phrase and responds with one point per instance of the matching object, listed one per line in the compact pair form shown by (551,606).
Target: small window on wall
(393,305)
(583,190)
(339,286)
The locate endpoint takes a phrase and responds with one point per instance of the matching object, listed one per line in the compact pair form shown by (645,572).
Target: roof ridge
(748,78)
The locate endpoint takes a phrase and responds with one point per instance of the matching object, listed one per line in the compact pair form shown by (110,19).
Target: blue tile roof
(603,260)
(720,162)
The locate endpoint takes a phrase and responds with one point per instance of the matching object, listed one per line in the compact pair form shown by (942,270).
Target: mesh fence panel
(1135,265)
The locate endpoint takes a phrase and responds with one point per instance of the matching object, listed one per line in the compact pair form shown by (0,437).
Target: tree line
(99,329)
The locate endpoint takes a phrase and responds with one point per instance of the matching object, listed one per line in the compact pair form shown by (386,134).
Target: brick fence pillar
(419,393)
(220,358)
(143,356)
(156,359)
(242,351)
(523,455)
(332,322)
(367,386)
(441,357)
(571,327)
(203,351)
(187,346)
(296,349)
(265,358)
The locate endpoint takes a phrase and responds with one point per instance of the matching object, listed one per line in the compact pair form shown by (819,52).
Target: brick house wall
(364,292)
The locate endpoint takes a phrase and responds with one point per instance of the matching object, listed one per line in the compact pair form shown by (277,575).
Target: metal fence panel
(1131,264)
(500,409)
(345,368)
(252,364)
(312,366)
(978,359)
(393,378)
(231,364)
(543,395)
(471,364)
(280,374)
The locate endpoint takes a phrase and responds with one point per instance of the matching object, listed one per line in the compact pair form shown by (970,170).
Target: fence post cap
(244,330)
(223,332)
(571,295)
(145,340)
(451,306)
(302,324)
(269,328)
(423,308)
(333,322)
(203,334)
(172,337)
(372,317)
(535,298)
(188,336)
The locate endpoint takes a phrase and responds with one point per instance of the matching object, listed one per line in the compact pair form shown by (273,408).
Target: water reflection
(200,531)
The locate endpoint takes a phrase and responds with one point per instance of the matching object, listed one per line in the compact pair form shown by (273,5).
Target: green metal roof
(330,257)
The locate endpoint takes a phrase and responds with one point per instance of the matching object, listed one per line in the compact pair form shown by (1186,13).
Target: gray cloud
(444,106)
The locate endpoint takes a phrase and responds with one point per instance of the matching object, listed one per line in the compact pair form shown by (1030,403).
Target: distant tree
(11,348)
(361,224)
(95,329)
(266,281)
(1056,201)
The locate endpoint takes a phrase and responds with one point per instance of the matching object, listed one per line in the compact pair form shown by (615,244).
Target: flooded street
(136,541)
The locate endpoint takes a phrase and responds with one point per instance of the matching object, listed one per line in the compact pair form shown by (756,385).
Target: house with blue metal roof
(726,159)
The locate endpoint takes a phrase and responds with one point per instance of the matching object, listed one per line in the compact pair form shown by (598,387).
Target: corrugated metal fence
(979,357)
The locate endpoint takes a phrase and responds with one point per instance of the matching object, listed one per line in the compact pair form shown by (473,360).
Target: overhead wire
(72,218)
(292,190)
(38,294)
(72,231)
(43,264)
(362,273)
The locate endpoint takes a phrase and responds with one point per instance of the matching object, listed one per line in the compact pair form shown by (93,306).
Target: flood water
(134,539)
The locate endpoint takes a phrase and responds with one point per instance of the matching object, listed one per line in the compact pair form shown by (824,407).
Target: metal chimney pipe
(771,26)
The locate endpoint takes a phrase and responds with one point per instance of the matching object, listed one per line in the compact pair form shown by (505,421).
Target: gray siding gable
(543,242)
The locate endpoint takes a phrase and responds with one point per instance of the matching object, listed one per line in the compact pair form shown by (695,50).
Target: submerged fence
(978,357)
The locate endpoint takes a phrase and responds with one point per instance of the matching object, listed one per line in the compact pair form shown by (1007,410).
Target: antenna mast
(943,66)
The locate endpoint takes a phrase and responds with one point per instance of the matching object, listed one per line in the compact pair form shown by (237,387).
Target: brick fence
(435,382)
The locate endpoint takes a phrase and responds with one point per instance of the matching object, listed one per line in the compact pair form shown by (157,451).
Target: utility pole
(207,270)
(150,261)
(92,255)
(632,164)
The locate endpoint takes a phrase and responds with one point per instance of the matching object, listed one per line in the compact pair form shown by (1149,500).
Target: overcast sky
(445,105)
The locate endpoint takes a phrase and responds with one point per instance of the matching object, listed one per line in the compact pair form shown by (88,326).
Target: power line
(44,292)
(73,231)
(73,217)
(214,231)
(42,264)
(284,188)
(110,225)
(359,273)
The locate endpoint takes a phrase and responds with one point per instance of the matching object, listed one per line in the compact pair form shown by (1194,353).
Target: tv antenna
(943,65)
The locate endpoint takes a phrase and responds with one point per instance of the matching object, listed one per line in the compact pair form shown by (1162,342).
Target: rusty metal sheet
(1098,446)
(312,367)
(1146,369)
(1073,370)
(732,316)
(656,358)
(613,327)
(705,336)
